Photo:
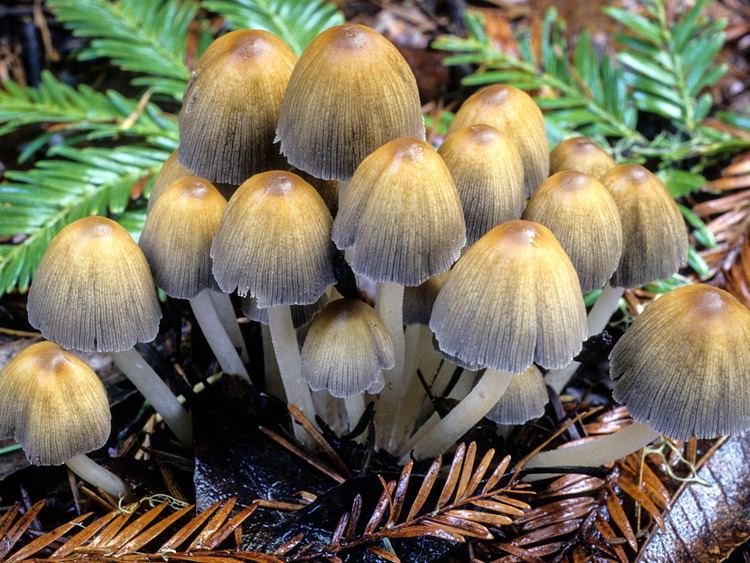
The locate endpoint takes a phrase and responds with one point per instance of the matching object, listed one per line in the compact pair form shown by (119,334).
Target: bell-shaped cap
(231,107)
(177,236)
(418,300)
(683,366)
(302,315)
(523,400)
(59,404)
(93,290)
(511,300)
(274,242)
(515,114)
(328,190)
(351,92)
(584,218)
(346,349)
(170,171)
(654,237)
(402,214)
(488,173)
(580,155)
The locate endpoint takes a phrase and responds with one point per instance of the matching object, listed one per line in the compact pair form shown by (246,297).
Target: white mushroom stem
(272,375)
(594,453)
(437,387)
(330,409)
(286,347)
(598,319)
(355,408)
(224,308)
(91,472)
(217,337)
(389,305)
(464,416)
(156,392)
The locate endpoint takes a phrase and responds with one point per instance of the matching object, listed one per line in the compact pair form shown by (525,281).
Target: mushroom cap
(683,366)
(584,218)
(170,171)
(418,301)
(654,237)
(302,315)
(402,214)
(177,236)
(488,173)
(350,93)
(93,290)
(346,349)
(580,155)
(514,113)
(523,400)
(60,405)
(274,242)
(511,300)
(328,190)
(232,102)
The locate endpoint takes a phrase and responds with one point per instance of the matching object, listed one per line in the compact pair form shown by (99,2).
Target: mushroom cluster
(475,257)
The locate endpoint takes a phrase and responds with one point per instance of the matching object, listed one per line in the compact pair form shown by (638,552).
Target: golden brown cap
(418,301)
(683,366)
(170,171)
(580,155)
(93,290)
(346,349)
(274,242)
(350,93)
(513,113)
(488,173)
(302,315)
(177,236)
(228,119)
(654,237)
(61,408)
(511,300)
(523,400)
(328,190)
(584,218)
(402,214)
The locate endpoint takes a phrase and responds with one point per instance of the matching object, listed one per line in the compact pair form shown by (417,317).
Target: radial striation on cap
(511,300)
(402,214)
(346,349)
(350,93)
(93,290)
(524,399)
(177,236)
(302,315)
(584,218)
(274,242)
(488,173)
(418,300)
(683,367)
(515,114)
(231,107)
(170,171)
(580,155)
(655,240)
(61,406)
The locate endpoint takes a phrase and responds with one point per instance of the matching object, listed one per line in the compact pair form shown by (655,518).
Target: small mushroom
(523,400)
(580,154)
(170,171)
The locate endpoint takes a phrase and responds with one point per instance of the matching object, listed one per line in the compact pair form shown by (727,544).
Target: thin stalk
(271,372)
(414,393)
(91,472)
(223,304)
(355,409)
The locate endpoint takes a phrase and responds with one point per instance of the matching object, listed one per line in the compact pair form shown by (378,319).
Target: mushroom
(580,155)
(232,102)
(513,113)
(274,244)
(56,407)
(681,369)
(170,171)
(523,400)
(176,241)
(351,92)
(402,216)
(512,299)
(93,291)
(488,173)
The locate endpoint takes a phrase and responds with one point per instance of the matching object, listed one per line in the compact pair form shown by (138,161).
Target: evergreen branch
(297,22)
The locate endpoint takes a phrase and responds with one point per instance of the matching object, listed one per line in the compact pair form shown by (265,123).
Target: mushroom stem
(286,347)
(156,392)
(594,453)
(217,337)
(464,416)
(91,472)
(223,304)
(412,396)
(272,375)
(355,408)
(389,304)
(438,386)
(598,319)
(330,410)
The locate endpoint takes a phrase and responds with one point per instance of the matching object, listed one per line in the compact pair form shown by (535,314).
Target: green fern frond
(36,204)
(295,21)
(147,37)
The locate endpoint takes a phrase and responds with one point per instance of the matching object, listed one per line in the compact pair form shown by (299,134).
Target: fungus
(523,400)
(170,171)
(579,154)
